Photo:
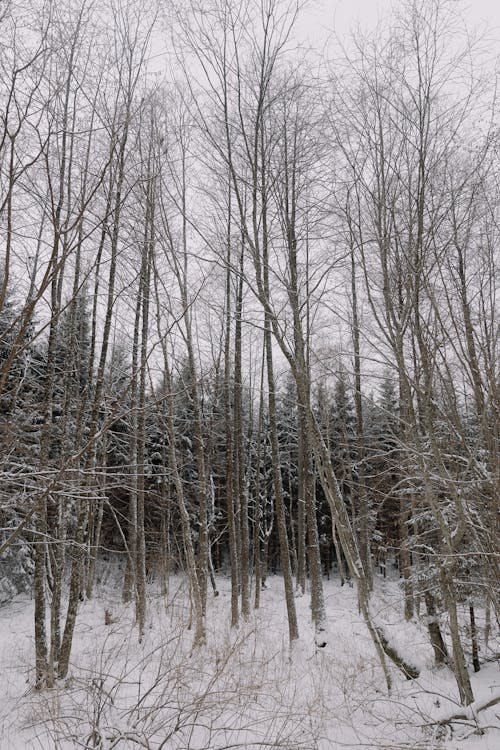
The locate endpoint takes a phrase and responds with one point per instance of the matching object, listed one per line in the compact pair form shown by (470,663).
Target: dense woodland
(248,313)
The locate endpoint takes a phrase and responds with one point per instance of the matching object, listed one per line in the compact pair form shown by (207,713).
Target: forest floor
(244,689)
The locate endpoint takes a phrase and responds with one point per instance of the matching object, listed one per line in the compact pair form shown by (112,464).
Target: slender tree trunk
(239,463)
(460,668)
(360,488)
(473,637)
(404,557)
(195,589)
(130,578)
(94,547)
(318,612)
(257,507)
(293,629)
(487,621)
(228,427)
(407,419)
(143,300)
(59,558)
(74,589)
(293,542)
(189,552)
(301,511)
(40,606)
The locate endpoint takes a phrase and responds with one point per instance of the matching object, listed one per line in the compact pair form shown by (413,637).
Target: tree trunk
(74,589)
(473,637)
(228,428)
(293,629)
(437,642)
(460,668)
(40,608)
(239,463)
(360,490)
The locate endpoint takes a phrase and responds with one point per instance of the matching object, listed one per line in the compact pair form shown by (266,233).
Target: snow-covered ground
(245,689)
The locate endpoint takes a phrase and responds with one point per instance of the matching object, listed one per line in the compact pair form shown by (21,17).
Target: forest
(249,382)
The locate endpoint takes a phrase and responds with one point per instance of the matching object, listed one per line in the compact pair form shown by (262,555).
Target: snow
(246,689)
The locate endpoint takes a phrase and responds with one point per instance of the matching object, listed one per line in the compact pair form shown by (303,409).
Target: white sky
(324,16)
(323,20)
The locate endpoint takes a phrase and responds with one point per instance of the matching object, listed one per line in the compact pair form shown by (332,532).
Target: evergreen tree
(19,446)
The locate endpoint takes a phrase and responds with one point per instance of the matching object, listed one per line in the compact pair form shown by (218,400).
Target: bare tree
(396,157)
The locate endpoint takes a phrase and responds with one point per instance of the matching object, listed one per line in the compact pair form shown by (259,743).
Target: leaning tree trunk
(263,273)
(293,629)
(360,490)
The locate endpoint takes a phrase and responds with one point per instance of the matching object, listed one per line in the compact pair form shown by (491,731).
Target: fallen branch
(469,717)
(471,711)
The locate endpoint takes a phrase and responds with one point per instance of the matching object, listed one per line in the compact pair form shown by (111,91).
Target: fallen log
(409,670)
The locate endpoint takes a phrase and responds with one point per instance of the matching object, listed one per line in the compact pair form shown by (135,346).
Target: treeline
(248,314)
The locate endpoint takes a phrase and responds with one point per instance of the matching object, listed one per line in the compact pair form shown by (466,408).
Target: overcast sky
(342,15)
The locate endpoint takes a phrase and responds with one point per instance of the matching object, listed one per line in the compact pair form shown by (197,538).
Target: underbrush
(244,689)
